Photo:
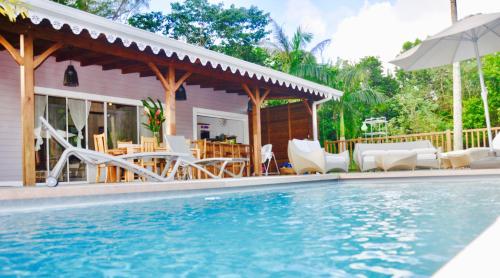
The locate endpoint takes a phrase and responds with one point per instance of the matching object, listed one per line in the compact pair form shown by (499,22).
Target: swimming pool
(324,229)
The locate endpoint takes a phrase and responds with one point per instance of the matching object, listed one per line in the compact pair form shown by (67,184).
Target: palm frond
(320,47)
(281,39)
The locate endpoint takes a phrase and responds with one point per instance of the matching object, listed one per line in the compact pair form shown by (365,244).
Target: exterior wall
(93,80)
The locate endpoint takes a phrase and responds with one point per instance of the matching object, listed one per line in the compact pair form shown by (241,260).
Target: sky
(360,28)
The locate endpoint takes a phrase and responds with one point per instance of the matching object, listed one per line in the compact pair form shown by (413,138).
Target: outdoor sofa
(427,156)
(308,157)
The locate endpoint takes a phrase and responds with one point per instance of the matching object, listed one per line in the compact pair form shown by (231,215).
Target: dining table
(123,149)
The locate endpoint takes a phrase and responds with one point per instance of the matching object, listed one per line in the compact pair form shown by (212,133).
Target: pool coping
(478,259)
(42,192)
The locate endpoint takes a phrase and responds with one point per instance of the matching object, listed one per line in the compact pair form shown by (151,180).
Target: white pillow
(425,150)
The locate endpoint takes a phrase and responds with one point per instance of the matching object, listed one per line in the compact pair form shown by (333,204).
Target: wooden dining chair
(100,145)
(149,144)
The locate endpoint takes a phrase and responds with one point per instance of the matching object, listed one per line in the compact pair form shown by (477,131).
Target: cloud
(305,14)
(380,29)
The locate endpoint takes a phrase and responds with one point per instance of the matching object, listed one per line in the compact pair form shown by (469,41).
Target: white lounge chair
(268,155)
(178,144)
(308,156)
(97,158)
(365,154)
(477,158)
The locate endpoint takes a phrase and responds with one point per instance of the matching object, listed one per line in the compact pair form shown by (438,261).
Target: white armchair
(308,156)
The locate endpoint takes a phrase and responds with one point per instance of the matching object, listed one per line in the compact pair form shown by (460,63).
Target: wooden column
(170,85)
(27,64)
(28,108)
(257,99)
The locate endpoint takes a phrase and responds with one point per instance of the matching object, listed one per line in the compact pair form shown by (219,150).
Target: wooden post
(28,108)
(257,99)
(170,85)
(448,141)
(27,64)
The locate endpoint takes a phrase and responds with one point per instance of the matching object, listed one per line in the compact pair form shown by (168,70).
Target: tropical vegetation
(419,101)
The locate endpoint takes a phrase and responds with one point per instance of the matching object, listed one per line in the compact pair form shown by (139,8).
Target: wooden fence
(282,123)
(472,138)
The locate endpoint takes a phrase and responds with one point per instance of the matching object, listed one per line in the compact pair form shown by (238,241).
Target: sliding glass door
(122,124)
(78,120)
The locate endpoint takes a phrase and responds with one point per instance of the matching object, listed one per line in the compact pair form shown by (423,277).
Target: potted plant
(154,111)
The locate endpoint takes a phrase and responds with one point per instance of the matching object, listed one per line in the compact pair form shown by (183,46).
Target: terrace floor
(88,190)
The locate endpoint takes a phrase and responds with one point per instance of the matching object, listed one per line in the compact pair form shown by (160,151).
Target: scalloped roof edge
(59,15)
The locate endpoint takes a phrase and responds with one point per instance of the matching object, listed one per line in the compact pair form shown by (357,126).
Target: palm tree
(12,8)
(353,81)
(291,55)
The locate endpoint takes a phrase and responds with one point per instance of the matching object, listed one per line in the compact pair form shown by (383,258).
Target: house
(117,66)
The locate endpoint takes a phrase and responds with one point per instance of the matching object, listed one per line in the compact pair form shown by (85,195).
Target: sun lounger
(308,157)
(365,154)
(94,158)
(188,161)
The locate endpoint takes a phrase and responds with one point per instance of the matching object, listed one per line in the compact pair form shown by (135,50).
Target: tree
(233,31)
(12,8)
(112,9)
(291,55)
(457,93)
(353,80)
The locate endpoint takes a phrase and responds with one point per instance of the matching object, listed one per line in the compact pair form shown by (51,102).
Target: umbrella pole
(484,94)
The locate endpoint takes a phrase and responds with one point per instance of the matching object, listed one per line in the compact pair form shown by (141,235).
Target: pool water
(337,229)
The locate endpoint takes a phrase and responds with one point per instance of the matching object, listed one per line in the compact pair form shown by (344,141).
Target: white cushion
(426,156)
(306,146)
(425,150)
(373,152)
(496,142)
(334,158)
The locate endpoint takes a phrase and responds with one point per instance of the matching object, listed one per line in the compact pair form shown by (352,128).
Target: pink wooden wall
(93,80)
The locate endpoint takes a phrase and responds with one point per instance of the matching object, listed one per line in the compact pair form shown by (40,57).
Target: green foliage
(233,31)
(154,111)
(291,56)
(112,9)
(13,8)
(154,22)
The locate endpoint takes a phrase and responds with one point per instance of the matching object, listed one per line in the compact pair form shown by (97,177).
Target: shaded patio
(66,34)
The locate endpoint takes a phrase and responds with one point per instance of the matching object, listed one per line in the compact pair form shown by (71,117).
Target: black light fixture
(180,94)
(250,106)
(70,76)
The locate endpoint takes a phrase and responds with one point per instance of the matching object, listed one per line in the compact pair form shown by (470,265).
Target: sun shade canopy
(455,43)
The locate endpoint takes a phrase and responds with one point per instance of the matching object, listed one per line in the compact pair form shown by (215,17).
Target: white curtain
(79,114)
(40,106)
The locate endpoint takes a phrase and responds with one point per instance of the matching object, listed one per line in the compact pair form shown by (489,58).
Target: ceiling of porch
(131,60)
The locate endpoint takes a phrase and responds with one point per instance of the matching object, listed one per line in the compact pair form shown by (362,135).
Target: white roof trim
(59,15)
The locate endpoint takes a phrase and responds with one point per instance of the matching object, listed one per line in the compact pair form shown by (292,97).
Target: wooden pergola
(31,44)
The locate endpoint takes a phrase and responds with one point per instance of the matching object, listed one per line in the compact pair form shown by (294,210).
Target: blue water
(338,229)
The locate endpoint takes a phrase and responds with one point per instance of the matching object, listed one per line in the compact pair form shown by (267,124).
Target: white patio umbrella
(470,37)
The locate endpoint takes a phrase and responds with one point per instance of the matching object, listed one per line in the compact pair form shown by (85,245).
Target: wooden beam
(181,80)
(85,42)
(266,93)
(136,68)
(12,51)
(249,93)
(28,108)
(99,60)
(159,75)
(42,57)
(118,64)
(170,101)
(257,99)
(308,106)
